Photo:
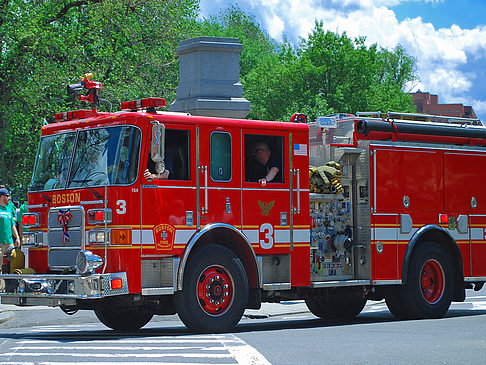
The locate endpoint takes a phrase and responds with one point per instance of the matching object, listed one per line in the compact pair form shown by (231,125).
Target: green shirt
(6,224)
(11,207)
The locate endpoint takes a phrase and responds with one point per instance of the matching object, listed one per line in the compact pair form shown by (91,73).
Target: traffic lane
(372,338)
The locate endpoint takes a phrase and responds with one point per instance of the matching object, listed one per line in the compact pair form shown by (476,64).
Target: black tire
(430,285)
(315,307)
(124,320)
(215,291)
(337,304)
(395,305)
(342,307)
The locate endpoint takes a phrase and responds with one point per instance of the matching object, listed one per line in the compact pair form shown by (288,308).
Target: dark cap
(4,191)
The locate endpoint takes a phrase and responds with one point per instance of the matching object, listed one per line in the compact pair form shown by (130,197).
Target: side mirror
(157,147)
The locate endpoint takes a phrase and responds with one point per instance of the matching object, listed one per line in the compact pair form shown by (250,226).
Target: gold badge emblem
(164,235)
(266,207)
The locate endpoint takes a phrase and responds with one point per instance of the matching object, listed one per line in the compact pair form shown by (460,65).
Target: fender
(213,228)
(442,237)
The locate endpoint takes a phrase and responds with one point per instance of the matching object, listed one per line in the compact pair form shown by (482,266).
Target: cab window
(220,155)
(176,155)
(264,158)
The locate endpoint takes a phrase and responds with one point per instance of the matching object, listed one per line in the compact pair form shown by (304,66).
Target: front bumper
(54,290)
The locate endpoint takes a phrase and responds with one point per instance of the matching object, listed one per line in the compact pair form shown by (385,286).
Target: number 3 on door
(266,236)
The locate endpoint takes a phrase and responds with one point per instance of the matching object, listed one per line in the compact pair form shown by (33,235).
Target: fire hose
(326,178)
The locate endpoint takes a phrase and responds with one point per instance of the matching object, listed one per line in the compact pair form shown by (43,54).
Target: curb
(6,316)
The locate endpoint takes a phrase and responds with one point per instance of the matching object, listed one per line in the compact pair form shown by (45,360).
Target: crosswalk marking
(196,349)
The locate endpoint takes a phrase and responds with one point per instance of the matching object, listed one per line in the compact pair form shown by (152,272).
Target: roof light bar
(75,114)
(143,104)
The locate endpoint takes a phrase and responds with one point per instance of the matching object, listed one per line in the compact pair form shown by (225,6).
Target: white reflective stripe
(406,236)
(282,235)
(386,234)
(301,235)
(458,236)
(183,235)
(147,237)
(477,233)
(252,235)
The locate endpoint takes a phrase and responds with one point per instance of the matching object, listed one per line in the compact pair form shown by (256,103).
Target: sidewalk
(277,309)
(7,312)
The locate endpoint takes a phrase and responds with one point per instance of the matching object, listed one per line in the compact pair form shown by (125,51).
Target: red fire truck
(204,237)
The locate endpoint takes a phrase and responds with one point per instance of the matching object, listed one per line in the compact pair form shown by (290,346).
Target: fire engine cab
(141,212)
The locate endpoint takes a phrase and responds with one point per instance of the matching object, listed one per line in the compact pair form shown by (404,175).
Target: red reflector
(443,218)
(31,219)
(143,104)
(99,215)
(116,283)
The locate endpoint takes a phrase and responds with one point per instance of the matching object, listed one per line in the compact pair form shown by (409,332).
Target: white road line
(134,341)
(118,356)
(107,363)
(245,354)
(225,348)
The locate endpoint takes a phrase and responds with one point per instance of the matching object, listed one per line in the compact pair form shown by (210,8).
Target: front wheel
(123,320)
(215,290)
(429,289)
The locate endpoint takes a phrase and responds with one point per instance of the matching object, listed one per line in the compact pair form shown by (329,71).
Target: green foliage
(130,45)
(48,44)
(234,23)
(330,73)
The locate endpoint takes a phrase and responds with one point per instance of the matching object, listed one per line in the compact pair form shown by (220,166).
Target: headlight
(97,237)
(32,238)
(87,262)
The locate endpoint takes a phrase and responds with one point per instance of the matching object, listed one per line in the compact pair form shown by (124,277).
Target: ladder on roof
(421,117)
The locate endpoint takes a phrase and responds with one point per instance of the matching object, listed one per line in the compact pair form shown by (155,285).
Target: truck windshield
(106,156)
(52,162)
(102,156)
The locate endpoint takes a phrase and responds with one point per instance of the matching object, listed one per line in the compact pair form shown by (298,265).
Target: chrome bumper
(54,290)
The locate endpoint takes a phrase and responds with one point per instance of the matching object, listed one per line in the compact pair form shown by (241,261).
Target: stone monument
(209,78)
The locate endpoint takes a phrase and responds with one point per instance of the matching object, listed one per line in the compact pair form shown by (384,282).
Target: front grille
(66,235)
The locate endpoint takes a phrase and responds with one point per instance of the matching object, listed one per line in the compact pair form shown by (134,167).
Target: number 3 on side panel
(121,206)
(267,230)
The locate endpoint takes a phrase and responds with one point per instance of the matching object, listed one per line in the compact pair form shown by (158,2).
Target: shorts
(3,249)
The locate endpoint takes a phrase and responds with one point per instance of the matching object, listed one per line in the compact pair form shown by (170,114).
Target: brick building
(429,104)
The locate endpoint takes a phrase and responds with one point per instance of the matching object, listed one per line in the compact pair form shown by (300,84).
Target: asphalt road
(277,334)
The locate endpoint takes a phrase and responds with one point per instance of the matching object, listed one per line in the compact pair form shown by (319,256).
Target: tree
(330,73)
(127,44)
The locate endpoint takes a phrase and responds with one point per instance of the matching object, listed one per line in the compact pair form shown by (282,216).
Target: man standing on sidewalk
(8,233)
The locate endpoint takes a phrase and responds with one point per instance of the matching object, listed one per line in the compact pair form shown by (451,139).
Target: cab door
(219,171)
(266,208)
(168,204)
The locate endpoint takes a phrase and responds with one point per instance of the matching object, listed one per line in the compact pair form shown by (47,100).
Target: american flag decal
(300,149)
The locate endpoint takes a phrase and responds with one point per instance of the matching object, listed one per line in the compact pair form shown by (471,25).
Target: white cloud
(442,53)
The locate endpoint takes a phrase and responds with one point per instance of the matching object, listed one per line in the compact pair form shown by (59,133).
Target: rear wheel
(430,285)
(215,291)
(343,308)
(395,305)
(314,307)
(124,319)
(336,304)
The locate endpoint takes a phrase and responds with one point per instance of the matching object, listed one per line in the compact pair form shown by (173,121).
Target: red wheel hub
(215,290)
(432,281)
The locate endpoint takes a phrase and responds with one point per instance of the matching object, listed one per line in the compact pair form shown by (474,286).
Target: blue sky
(447,37)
